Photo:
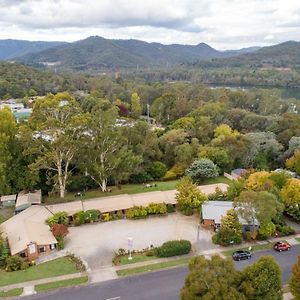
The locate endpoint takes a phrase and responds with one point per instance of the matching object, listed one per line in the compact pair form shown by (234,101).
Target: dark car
(282,246)
(240,255)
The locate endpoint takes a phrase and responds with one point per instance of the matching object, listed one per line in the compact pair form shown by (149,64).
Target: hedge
(138,212)
(173,248)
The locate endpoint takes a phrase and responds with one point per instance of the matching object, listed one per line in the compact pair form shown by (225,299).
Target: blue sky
(223,24)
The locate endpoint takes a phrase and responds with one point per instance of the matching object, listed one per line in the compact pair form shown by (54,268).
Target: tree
(188,196)
(136,108)
(294,282)
(262,280)
(59,230)
(157,169)
(163,108)
(290,195)
(186,153)
(215,279)
(266,229)
(223,131)
(53,134)
(230,230)
(202,169)
(218,156)
(4,251)
(260,206)
(293,163)
(259,181)
(235,188)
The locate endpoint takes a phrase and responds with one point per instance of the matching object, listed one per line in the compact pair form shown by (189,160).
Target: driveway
(96,243)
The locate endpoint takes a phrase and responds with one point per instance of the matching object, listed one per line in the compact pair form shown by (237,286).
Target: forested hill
(10,49)
(97,53)
(285,55)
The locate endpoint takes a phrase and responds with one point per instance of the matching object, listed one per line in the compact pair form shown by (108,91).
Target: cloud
(223,24)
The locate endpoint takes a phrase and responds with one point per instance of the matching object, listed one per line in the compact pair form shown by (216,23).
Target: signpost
(130,246)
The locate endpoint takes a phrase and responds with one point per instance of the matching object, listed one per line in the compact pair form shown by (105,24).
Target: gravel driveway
(96,243)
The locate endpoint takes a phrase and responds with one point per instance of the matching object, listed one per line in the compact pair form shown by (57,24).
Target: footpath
(110,273)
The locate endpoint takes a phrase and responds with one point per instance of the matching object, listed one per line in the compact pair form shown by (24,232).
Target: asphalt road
(161,285)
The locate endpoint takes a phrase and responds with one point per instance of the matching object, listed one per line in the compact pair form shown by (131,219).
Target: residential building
(27,199)
(8,200)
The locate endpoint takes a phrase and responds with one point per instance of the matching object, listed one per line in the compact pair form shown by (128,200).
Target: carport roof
(69,207)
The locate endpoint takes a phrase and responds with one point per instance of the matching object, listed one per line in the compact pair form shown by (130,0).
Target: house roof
(26,227)
(26,199)
(8,198)
(215,210)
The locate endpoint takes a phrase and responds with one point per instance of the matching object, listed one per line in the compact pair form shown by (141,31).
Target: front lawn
(136,258)
(255,248)
(129,189)
(57,267)
(154,267)
(59,284)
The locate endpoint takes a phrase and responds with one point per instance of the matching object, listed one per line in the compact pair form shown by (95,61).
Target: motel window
(23,254)
(41,249)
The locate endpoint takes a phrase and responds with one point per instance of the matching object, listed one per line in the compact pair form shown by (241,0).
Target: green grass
(136,257)
(59,284)
(154,267)
(57,267)
(6,213)
(255,248)
(297,239)
(129,189)
(12,293)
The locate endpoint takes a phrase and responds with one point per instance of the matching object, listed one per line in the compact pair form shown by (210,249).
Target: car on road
(241,254)
(282,246)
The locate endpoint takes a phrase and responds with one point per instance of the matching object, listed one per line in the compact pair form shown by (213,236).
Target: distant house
(27,233)
(8,200)
(238,173)
(25,200)
(213,211)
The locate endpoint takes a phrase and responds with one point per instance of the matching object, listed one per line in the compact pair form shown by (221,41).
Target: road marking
(115,298)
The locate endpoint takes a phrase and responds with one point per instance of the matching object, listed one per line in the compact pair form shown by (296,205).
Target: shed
(8,200)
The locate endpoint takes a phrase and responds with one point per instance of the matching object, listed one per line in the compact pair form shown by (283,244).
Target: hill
(96,53)
(284,55)
(10,49)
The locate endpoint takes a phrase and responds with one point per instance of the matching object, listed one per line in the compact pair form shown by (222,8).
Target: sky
(223,24)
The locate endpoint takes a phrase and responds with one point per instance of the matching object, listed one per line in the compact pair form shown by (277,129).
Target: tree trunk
(104,185)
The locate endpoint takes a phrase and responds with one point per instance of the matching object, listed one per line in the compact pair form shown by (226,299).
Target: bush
(201,169)
(247,236)
(266,230)
(157,170)
(92,215)
(58,218)
(157,209)
(225,237)
(78,262)
(140,177)
(60,243)
(79,218)
(59,230)
(187,211)
(4,251)
(106,217)
(80,183)
(136,212)
(173,248)
(120,215)
(170,208)
(15,263)
(170,175)
(285,230)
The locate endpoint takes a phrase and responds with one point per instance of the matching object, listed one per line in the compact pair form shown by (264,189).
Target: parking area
(96,243)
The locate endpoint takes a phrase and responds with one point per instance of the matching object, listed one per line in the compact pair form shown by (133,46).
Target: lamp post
(130,245)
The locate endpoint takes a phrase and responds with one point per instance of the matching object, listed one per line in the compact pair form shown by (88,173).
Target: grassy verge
(129,189)
(297,239)
(255,248)
(57,267)
(136,258)
(12,293)
(154,267)
(58,284)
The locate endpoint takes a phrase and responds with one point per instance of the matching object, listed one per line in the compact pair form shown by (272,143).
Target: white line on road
(115,298)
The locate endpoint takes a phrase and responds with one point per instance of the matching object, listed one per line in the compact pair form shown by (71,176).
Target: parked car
(282,246)
(240,255)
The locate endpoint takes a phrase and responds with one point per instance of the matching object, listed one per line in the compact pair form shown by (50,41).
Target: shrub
(247,236)
(120,215)
(14,263)
(173,248)
(92,215)
(4,251)
(157,170)
(80,183)
(226,237)
(170,175)
(78,262)
(202,169)
(266,230)
(58,218)
(156,209)
(140,177)
(285,230)
(106,217)
(170,208)
(187,211)
(60,243)
(59,230)
(136,212)
(79,218)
